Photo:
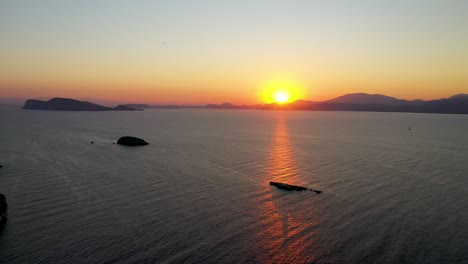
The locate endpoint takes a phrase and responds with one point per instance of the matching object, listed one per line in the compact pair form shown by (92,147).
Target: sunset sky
(196,52)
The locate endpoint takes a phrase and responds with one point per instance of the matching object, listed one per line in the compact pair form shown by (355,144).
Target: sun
(281,91)
(281,96)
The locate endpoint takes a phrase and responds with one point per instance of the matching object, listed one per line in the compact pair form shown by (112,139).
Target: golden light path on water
(283,237)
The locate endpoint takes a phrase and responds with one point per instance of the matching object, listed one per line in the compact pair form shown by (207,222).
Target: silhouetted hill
(139,106)
(124,108)
(460,96)
(453,105)
(362,98)
(223,106)
(167,106)
(66,104)
(227,106)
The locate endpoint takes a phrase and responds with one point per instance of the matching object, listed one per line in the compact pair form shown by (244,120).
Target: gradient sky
(214,51)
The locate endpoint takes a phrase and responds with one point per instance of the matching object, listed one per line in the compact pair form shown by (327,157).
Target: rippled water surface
(199,192)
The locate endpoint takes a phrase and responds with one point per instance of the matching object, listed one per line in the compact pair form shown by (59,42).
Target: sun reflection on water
(282,165)
(284,235)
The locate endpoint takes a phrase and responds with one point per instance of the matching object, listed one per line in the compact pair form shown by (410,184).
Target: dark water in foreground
(199,193)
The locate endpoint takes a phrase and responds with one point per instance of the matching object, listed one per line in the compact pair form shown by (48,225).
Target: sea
(394,187)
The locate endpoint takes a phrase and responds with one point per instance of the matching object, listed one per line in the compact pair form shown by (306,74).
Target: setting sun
(281,96)
(281,91)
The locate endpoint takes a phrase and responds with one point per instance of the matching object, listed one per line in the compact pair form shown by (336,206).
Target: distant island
(66,104)
(457,104)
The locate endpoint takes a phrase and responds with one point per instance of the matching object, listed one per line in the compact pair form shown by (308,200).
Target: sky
(196,52)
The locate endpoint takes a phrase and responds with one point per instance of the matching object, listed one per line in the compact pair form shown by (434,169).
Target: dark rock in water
(1,166)
(288,187)
(3,204)
(3,211)
(92,142)
(3,220)
(131,141)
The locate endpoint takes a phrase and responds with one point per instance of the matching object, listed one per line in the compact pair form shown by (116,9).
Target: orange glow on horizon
(242,93)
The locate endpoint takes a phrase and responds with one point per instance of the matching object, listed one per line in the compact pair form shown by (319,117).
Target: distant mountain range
(65,104)
(457,104)
(362,98)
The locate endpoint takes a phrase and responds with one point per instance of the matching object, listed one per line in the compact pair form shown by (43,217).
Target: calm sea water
(199,192)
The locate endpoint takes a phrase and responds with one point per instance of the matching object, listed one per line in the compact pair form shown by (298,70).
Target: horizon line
(109,101)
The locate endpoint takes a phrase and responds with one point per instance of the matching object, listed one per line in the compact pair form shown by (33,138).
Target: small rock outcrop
(1,166)
(3,210)
(131,141)
(288,187)
(3,204)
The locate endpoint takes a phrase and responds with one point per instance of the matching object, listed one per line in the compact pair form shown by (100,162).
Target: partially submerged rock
(1,166)
(3,210)
(289,187)
(3,204)
(131,141)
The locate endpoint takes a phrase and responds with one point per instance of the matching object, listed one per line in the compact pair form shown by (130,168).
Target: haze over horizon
(111,103)
(180,52)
